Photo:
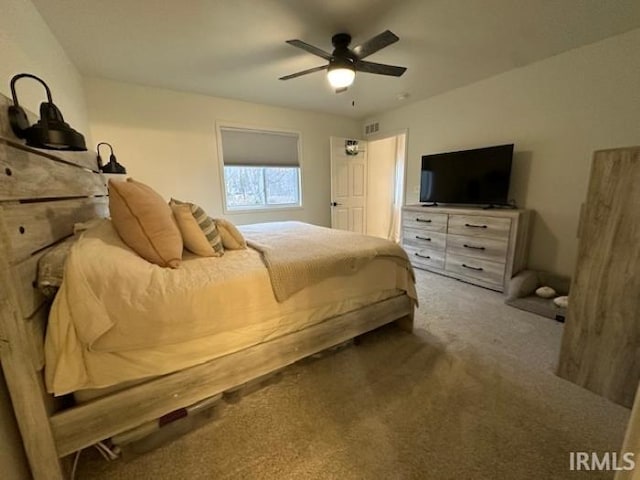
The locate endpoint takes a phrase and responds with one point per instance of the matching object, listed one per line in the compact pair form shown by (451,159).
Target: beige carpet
(471,396)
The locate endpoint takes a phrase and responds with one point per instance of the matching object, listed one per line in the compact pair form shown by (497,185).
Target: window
(261,186)
(261,169)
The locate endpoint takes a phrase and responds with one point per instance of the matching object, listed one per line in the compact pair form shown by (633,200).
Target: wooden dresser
(483,247)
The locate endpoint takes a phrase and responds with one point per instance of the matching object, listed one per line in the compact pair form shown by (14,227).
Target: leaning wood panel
(601,343)
(33,226)
(28,175)
(84,159)
(84,425)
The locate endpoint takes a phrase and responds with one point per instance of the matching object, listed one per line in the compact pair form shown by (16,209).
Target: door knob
(335,204)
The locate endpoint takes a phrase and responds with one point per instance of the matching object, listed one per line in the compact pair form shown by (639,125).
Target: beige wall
(557,112)
(168,139)
(381,164)
(27,45)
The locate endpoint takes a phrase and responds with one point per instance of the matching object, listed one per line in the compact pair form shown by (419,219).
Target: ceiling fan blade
(380,69)
(343,89)
(376,43)
(310,48)
(304,72)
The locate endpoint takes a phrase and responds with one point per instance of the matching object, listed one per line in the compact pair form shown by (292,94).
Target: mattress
(118,318)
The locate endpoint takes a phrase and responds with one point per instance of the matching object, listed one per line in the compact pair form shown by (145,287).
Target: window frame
(258,208)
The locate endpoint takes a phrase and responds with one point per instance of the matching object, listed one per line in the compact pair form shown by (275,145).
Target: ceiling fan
(344,62)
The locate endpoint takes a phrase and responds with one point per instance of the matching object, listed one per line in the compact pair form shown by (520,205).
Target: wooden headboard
(43,193)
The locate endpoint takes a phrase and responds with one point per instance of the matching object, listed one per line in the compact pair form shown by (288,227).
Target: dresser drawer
(483,248)
(481,226)
(434,222)
(425,257)
(490,272)
(421,239)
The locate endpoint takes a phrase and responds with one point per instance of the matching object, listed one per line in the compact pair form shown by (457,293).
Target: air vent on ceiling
(371,128)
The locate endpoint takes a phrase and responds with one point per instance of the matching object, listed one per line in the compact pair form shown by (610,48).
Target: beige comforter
(118,318)
(299,255)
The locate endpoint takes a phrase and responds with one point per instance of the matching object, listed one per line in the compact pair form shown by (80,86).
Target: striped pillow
(206,224)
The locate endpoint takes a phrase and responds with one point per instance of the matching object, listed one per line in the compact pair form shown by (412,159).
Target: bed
(42,195)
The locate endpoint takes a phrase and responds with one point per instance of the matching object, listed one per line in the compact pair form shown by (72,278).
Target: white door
(348,186)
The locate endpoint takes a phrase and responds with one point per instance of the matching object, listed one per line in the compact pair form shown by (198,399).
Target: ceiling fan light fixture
(345,61)
(341,77)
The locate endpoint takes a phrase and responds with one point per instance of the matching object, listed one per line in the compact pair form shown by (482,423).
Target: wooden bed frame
(43,193)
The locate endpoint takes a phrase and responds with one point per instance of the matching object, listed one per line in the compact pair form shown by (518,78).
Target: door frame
(394,133)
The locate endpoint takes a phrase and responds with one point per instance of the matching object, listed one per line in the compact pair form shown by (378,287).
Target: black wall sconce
(113,166)
(51,132)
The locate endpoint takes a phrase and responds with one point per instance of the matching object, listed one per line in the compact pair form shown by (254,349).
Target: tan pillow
(194,238)
(145,222)
(232,239)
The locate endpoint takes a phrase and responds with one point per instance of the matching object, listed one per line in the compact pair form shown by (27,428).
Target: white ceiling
(236,48)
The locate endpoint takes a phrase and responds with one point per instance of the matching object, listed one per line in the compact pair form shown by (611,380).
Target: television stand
(483,247)
(434,204)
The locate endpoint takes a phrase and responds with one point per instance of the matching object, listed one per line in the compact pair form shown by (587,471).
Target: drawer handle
(423,220)
(479,269)
(473,248)
(471,225)
(426,239)
(422,256)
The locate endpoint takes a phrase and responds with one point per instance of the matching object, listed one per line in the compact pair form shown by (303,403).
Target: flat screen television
(479,177)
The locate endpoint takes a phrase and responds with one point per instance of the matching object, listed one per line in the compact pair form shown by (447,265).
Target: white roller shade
(259,148)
